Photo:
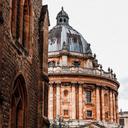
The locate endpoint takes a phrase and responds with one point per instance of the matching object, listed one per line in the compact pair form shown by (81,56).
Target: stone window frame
(76,63)
(122,121)
(18,111)
(21,25)
(88,96)
(89,113)
(66,113)
(51,64)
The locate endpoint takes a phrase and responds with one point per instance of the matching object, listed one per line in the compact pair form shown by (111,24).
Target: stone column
(80,102)
(73,102)
(98,103)
(102,98)
(111,106)
(117,116)
(50,102)
(70,100)
(114,107)
(58,99)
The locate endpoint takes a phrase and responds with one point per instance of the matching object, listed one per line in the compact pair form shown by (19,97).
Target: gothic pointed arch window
(21,22)
(19,104)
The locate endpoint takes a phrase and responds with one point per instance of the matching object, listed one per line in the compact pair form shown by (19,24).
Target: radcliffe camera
(62,64)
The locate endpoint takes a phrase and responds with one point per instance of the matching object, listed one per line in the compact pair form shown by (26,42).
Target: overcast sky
(104,24)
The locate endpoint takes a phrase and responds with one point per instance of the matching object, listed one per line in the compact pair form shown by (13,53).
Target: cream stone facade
(81,93)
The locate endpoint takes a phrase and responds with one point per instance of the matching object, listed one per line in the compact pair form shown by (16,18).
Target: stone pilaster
(111,106)
(102,98)
(114,107)
(80,102)
(58,99)
(50,102)
(98,113)
(73,102)
(117,116)
(70,105)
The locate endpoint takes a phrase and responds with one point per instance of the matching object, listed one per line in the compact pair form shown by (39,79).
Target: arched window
(21,21)
(19,104)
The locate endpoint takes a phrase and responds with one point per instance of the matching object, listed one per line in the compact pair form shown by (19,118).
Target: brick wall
(14,61)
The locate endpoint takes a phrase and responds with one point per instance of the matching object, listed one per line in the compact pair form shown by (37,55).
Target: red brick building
(81,93)
(23,64)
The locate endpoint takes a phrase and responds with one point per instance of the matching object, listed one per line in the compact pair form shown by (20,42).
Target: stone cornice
(89,79)
(69,54)
(86,75)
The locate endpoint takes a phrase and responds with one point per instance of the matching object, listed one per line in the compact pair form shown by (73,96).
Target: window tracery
(18,105)
(21,17)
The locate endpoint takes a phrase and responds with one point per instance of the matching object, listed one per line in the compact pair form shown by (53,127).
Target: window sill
(89,118)
(66,116)
(89,103)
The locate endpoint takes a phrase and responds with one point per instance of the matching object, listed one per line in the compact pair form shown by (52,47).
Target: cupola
(62,17)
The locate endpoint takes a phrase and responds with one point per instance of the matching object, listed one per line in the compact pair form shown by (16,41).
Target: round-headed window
(60,20)
(64,20)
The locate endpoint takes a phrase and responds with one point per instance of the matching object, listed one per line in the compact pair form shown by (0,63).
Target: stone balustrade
(81,71)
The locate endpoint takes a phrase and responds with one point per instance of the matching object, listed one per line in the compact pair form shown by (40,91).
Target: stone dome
(64,37)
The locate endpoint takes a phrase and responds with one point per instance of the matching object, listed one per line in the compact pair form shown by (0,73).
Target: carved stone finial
(108,69)
(100,67)
(94,55)
(114,75)
(62,8)
(111,71)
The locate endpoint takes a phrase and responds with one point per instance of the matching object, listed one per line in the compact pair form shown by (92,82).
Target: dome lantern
(62,17)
